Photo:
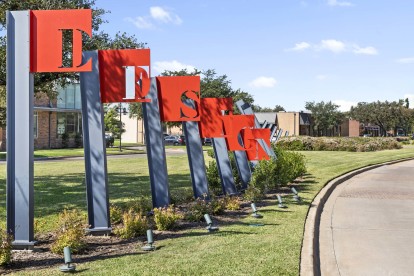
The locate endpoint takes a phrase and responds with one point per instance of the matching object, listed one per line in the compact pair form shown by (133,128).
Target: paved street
(367,226)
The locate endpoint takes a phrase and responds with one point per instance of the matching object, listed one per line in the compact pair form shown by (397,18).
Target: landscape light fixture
(68,267)
(296,196)
(254,209)
(150,241)
(210,226)
(279,199)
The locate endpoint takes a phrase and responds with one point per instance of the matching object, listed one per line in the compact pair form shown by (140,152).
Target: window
(69,97)
(69,122)
(35,122)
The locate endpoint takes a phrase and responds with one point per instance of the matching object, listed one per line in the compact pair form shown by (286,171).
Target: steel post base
(23,245)
(99,231)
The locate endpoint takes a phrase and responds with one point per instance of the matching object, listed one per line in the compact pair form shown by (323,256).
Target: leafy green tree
(277,108)
(112,121)
(48,82)
(325,116)
(387,115)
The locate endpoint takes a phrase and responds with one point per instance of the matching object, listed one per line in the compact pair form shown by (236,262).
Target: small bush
(213,178)
(78,140)
(179,197)
(115,213)
(197,210)
(141,205)
(134,225)
(253,194)
(274,173)
(5,248)
(233,203)
(217,206)
(70,232)
(65,140)
(166,218)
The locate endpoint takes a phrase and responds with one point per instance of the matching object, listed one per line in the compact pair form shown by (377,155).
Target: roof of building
(269,117)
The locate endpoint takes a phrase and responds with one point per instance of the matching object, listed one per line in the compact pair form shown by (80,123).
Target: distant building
(296,123)
(301,123)
(51,119)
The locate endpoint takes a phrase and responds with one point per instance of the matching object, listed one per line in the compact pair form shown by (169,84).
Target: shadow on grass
(53,193)
(16,266)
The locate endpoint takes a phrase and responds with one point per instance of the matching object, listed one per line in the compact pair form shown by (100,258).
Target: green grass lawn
(75,152)
(237,249)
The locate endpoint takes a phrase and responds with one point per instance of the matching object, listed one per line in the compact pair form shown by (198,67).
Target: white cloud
(321,77)
(337,46)
(332,45)
(263,82)
(410,99)
(365,50)
(140,22)
(344,105)
(406,60)
(300,46)
(163,15)
(161,66)
(158,15)
(337,3)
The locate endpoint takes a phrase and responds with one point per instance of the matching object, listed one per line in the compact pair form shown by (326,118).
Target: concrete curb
(309,257)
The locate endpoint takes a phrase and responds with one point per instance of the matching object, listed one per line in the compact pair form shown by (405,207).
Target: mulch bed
(103,247)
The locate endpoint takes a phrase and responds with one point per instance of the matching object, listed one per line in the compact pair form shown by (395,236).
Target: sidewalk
(367,224)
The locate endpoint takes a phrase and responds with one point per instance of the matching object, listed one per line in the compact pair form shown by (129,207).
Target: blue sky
(282,52)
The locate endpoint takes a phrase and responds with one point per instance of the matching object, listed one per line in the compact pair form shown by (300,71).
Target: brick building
(55,122)
(300,123)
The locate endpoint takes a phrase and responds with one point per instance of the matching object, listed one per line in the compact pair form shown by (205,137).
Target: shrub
(253,194)
(5,247)
(197,210)
(179,197)
(65,140)
(213,178)
(233,203)
(141,205)
(166,218)
(78,140)
(217,206)
(134,225)
(70,232)
(352,144)
(115,213)
(273,173)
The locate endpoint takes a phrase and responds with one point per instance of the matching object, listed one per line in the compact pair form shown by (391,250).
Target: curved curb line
(309,257)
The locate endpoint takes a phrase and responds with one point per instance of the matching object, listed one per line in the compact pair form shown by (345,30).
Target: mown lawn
(237,249)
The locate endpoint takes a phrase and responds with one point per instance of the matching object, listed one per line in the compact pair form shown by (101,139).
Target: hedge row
(355,144)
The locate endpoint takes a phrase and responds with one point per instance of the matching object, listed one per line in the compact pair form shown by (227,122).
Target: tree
(112,121)
(277,108)
(387,115)
(325,116)
(48,82)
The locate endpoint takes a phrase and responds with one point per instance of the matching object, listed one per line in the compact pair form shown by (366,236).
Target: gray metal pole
(20,203)
(157,161)
(243,166)
(195,157)
(94,148)
(224,166)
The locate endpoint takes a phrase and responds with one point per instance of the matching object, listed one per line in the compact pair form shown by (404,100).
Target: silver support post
(95,149)
(157,161)
(195,157)
(224,166)
(20,203)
